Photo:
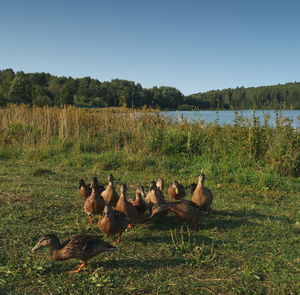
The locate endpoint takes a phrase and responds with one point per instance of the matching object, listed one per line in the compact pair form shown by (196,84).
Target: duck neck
(110,185)
(123,197)
(108,211)
(54,247)
(200,183)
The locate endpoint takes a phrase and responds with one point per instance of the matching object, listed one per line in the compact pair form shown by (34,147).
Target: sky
(193,46)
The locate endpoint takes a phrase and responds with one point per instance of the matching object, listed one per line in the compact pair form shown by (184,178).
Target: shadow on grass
(246,214)
(166,239)
(169,222)
(148,264)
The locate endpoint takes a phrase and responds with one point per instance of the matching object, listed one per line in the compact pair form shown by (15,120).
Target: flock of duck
(119,213)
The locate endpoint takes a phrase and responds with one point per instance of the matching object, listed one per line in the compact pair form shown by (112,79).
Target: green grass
(250,244)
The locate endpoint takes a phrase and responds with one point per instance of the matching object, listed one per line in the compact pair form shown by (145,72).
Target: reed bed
(148,131)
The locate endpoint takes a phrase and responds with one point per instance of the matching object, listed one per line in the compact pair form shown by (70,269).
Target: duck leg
(118,241)
(196,226)
(90,219)
(79,268)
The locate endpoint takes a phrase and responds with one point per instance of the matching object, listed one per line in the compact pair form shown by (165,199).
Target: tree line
(281,96)
(45,89)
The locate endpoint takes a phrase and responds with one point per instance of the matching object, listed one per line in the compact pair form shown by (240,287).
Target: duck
(176,191)
(109,194)
(82,247)
(160,183)
(155,197)
(84,189)
(99,187)
(138,202)
(184,209)
(202,196)
(126,207)
(94,204)
(113,222)
(192,188)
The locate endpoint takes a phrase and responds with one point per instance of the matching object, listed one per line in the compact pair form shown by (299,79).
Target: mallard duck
(185,210)
(82,247)
(99,187)
(202,195)
(126,207)
(160,183)
(138,202)
(109,194)
(192,188)
(113,222)
(176,191)
(84,189)
(155,197)
(94,204)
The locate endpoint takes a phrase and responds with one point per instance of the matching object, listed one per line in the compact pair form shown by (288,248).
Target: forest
(42,89)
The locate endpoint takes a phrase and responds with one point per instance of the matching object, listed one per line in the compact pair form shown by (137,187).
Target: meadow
(249,245)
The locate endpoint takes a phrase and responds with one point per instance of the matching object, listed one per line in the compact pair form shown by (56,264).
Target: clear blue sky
(191,45)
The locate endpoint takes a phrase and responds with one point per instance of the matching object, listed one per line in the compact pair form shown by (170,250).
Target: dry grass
(147,131)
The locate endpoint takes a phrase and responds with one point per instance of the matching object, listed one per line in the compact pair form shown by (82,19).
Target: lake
(228,117)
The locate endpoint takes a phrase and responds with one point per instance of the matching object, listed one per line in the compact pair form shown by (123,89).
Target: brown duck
(192,188)
(99,187)
(138,202)
(154,197)
(84,189)
(185,210)
(126,207)
(82,247)
(113,222)
(160,183)
(176,191)
(94,203)
(202,195)
(109,194)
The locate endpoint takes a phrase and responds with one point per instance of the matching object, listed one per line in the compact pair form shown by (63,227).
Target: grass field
(250,244)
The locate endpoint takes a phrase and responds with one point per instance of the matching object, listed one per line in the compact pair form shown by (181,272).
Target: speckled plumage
(82,247)
(110,195)
(202,196)
(125,206)
(113,222)
(185,210)
(176,191)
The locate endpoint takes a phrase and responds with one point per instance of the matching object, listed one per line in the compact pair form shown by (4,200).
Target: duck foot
(131,225)
(118,241)
(80,267)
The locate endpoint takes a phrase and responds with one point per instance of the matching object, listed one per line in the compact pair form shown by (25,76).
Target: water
(228,117)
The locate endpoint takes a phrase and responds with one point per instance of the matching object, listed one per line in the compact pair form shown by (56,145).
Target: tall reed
(148,131)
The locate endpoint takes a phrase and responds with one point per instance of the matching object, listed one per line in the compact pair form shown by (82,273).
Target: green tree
(68,91)
(20,89)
